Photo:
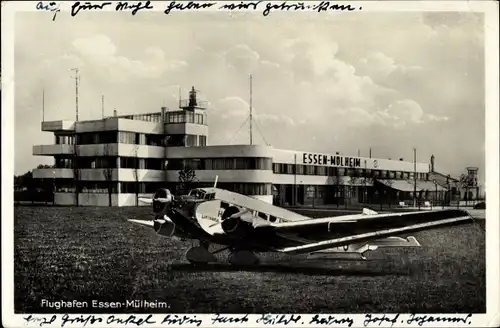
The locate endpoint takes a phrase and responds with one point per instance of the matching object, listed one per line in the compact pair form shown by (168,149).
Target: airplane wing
(333,232)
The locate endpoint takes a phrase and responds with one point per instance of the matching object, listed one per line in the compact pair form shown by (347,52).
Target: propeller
(161,196)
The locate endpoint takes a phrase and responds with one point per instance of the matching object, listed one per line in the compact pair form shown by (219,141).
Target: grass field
(85,254)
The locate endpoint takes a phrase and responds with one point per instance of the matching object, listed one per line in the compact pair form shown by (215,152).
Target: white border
(490,8)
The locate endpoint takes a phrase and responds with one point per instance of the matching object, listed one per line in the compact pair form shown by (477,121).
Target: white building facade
(116,160)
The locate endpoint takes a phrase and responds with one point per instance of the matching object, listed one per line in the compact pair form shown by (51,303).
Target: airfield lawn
(85,254)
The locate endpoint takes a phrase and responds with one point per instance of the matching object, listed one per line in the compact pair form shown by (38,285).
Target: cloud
(100,51)
(379,66)
(241,57)
(235,108)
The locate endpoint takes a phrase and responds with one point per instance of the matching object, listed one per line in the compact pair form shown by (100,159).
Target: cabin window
(272,218)
(262,215)
(209,196)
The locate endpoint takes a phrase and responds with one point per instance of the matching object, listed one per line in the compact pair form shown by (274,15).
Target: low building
(115,160)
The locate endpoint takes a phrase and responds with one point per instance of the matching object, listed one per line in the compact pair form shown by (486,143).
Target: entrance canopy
(408,185)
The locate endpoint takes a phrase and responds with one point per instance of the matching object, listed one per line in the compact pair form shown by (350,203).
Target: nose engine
(162,200)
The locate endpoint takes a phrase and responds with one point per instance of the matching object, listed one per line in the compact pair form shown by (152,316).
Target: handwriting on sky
(314,320)
(264,7)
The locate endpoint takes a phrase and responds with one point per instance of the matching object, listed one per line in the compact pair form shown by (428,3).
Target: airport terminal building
(115,160)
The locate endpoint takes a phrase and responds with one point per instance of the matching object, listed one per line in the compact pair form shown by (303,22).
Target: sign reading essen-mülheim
(343,161)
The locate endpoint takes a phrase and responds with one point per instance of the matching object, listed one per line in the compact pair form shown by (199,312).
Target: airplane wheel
(243,258)
(199,255)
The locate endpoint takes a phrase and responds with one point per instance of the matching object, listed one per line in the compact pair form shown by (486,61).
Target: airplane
(247,226)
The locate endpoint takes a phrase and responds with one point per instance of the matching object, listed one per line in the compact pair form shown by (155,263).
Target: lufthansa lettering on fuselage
(318,159)
(206,217)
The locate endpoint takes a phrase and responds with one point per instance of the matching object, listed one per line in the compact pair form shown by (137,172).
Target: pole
(251,137)
(102,106)
(370,152)
(415,177)
(294,179)
(365,191)
(43,105)
(358,152)
(77,78)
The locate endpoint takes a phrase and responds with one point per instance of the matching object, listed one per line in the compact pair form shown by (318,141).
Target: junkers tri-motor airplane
(246,226)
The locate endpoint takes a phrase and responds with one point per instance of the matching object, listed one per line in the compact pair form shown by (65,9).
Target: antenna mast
(102,106)
(77,79)
(43,104)
(251,137)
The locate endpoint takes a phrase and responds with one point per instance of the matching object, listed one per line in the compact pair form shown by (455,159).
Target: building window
(341,171)
(200,119)
(65,139)
(202,140)
(176,140)
(64,163)
(309,170)
(151,139)
(300,169)
(321,170)
(191,140)
(276,168)
(127,137)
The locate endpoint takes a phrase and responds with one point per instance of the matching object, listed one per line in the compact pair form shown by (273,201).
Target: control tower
(187,127)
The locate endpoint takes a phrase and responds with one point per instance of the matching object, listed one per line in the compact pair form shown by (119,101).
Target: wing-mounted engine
(236,223)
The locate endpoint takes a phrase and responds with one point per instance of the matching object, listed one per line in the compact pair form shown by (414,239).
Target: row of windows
(299,169)
(107,137)
(238,163)
(111,162)
(101,187)
(64,139)
(186,117)
(248,188)
(139,138)
(151,187)
(155,117)
(185,140)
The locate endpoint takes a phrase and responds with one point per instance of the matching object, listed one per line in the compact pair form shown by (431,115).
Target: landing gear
(200,254)
(243,258)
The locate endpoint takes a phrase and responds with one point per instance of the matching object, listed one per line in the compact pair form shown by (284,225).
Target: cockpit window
(197,193)
(210,196)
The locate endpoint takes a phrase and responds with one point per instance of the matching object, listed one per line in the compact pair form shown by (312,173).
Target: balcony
(53,173)
(50,150)
(55,126)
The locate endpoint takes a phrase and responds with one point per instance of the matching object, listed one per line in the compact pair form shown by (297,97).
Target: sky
(321,83)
